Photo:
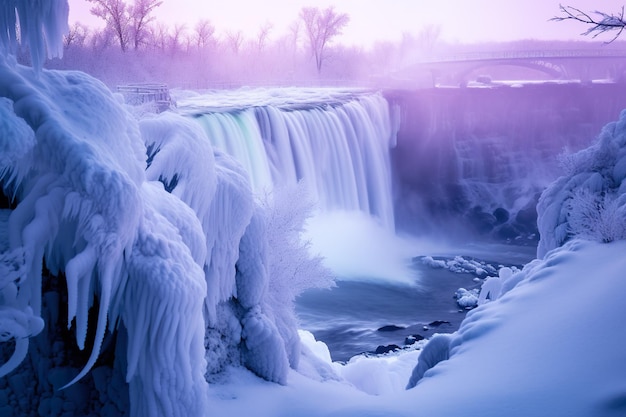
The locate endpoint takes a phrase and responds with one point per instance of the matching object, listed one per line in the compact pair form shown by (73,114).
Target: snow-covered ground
(551,346)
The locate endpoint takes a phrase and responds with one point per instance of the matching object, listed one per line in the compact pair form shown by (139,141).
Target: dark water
(347,317)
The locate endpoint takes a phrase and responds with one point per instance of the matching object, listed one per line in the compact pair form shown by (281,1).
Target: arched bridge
(563,64)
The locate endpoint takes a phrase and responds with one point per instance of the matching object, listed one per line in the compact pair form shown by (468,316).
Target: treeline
(135,47)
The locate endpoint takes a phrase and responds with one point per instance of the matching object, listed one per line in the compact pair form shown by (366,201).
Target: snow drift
(529,354)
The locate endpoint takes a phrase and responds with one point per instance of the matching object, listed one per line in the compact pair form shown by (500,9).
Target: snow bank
(528,354)
(524,354)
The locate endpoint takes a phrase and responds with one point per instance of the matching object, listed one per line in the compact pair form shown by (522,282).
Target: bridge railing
(531,54)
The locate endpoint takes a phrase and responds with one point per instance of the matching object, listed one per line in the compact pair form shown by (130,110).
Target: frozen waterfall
(337,144)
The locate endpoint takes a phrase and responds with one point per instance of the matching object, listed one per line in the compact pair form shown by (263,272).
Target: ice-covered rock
(467,298)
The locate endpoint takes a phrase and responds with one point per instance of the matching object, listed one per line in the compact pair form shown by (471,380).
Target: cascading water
(337,144)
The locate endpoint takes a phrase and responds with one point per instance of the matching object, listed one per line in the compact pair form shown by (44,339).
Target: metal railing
(142,93)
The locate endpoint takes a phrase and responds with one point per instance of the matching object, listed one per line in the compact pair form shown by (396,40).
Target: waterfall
(338,145)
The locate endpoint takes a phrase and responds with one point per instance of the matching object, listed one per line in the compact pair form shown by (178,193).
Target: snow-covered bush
(589,201)
(292,268)
(596,217)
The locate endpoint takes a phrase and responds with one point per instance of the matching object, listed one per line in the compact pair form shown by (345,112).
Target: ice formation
(437,350)
(152,228)
(41,24)
(589,201)
(492,287)
(467,299)
(461,265)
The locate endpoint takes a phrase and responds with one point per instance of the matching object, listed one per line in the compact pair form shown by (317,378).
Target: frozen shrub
(596,217)
(292,268)
(588,201)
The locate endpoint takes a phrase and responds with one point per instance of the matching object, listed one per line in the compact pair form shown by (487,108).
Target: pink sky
(371,20)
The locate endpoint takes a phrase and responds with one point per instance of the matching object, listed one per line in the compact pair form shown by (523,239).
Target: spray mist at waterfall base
(355,246)
(385,295)
(380,282)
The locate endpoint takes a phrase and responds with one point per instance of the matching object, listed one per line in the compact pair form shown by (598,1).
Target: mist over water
(358,247)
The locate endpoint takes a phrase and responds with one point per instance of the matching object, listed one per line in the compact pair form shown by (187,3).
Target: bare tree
(294,33)
(129,23)
(234,39)
(114,13)
(428,37)
(102,39)
(158,36)
(140,18)
(321,26)
(76,36)
(263,34)
(601,23)
(204,34)
(176,38)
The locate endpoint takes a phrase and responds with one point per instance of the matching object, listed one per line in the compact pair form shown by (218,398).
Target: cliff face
(474,160)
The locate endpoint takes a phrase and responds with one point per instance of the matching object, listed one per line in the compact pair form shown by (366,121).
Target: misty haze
(285,209)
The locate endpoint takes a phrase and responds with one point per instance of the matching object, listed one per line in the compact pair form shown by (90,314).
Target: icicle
(105,297)
(231,212)
(78,268)
(42,26)
(19,325)
(21,350)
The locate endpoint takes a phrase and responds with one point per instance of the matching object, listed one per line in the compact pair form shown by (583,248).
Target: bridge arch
(559,64)
(551,69)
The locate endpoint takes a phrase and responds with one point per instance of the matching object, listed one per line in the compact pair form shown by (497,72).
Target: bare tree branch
(600,22)
(263,34)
